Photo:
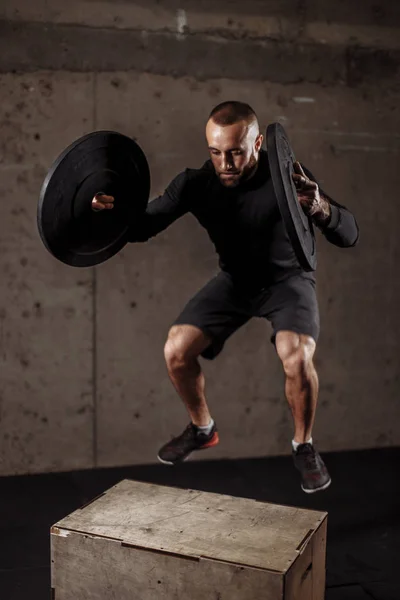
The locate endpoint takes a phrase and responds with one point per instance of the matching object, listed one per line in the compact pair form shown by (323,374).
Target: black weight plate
(102,161)
(298,226)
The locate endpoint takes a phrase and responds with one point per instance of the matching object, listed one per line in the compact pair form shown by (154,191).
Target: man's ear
(259,142)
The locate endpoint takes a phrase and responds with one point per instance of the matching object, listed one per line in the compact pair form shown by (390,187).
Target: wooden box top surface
(192,523)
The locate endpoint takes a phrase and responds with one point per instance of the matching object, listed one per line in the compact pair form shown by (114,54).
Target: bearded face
(234,151)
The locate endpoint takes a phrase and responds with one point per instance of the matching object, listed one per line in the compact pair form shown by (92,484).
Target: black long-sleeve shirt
(244,223)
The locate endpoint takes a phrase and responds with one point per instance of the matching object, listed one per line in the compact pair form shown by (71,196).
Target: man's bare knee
(297,363)
(176,350)
(296,353)
(184,344)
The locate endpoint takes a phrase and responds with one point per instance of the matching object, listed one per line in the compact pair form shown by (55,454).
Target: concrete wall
(81,360)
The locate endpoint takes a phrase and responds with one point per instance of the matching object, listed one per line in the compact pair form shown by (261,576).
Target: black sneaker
(179,448)
(314,474)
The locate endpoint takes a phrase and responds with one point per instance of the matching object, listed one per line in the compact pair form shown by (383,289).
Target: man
(232,197)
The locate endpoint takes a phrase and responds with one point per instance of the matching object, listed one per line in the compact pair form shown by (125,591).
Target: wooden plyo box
(140,541)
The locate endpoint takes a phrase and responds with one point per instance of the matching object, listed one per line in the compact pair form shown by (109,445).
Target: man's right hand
(102,201)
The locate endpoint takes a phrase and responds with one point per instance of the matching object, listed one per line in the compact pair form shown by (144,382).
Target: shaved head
(231,112)
(234,141)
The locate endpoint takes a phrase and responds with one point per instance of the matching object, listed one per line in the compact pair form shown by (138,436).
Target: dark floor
(363,502)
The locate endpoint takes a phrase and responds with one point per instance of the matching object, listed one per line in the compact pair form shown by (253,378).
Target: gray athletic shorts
(221,307)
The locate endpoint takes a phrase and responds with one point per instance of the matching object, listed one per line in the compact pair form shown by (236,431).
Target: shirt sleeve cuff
(334,220)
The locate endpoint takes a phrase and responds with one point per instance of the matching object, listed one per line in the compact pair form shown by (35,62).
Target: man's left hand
(313,204)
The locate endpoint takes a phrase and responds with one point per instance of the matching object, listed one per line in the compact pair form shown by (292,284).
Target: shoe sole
(215,442)
(166,462)
(320,489)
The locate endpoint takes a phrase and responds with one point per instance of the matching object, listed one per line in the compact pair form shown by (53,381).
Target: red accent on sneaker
(213,442)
